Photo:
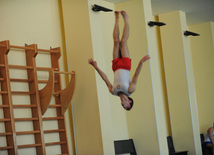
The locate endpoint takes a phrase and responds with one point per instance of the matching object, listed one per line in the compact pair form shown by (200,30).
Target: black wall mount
(153,23)
(97,8)
(188,33)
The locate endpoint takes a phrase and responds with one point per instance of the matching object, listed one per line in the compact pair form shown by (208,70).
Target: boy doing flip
(123,86)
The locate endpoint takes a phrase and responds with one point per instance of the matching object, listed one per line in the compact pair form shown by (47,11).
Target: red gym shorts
(121,63)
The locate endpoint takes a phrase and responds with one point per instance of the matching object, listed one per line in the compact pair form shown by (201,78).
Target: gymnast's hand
(92,62)
(145,58)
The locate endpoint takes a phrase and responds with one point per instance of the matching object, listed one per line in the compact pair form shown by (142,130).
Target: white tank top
(121,81)
(207,139)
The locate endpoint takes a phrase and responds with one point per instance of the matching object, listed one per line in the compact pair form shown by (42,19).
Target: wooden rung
(4,106)
(6,134)
(6,147)
(46,68)
(2,65)
(20,80)
(45,81)
(54,105)
(5,120)
(26,119)
(29,145)
(25,106)
(54,143)
(3,92)
(49,51)
(42,81)
(22,47)
(26,132)
(58,72)
(52,131)
(22,92)
(20,67)
(1,79)
(52,118)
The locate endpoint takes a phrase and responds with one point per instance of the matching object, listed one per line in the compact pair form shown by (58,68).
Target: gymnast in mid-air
(123,86)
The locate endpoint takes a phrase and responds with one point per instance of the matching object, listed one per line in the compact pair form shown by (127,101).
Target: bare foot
(116,14)
(125,16)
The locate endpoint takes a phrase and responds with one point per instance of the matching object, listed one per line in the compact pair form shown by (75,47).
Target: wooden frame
(39,99)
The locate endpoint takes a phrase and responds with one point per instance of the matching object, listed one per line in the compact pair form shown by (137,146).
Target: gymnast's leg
(116,49)
(125,36)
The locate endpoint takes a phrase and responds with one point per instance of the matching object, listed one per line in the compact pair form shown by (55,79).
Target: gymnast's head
(128,104)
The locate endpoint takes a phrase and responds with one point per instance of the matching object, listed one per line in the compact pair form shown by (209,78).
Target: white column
(180,83)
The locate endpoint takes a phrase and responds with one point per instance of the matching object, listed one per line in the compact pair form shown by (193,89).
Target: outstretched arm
(101,73)
(132,86)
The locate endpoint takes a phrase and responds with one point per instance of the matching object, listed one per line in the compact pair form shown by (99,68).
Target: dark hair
(131,104)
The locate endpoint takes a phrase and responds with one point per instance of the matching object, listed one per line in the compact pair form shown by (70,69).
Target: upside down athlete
(123,86)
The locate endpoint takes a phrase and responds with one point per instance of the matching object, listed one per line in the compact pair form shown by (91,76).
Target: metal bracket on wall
(188,33)
(97,8)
